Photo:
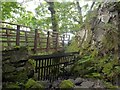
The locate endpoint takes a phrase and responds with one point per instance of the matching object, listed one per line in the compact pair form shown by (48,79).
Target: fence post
(39,41)
(56,41)
(68,40)
(18,35)
(26,41)
(63,41)
(35,40)
(8,38)
(48,41)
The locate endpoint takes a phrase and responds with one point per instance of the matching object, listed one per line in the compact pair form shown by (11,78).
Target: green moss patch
(33,84)
(66,84)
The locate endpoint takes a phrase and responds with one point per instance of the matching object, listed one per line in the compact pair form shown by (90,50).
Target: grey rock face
(78,81)
(77,87)
(45,83)
(19,68)
(8,68)
(87,84)
(56,83)
(98,84)
(72,80)
(19,55)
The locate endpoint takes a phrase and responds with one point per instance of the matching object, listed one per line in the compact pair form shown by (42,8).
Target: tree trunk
(54,22)
(80,12)
(53,16)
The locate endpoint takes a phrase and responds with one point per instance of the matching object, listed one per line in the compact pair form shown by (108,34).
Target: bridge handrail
(17,36)
(41,57)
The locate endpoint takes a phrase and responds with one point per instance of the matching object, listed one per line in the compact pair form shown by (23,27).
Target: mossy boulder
(66,84)
(33,84)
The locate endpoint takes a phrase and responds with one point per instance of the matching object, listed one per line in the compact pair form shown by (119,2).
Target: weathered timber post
(68,40)
(48,41)
(35,40)
(26,40)
(18,35)
(8,38)
(56,41)
(63,41)
(39,41)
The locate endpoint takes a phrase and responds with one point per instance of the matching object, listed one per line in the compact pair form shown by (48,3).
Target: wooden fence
(48,66)
(13,35)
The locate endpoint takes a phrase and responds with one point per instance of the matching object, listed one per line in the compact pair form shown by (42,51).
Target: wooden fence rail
(48,66)
(12,35)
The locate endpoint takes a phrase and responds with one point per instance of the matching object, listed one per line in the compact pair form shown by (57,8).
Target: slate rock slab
(45,83)
(8,68)
(72,80)
(56,83)
(78,81)
(87,84)
(77,87)
(98,84)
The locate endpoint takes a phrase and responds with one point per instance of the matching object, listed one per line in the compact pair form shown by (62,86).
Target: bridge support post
(56,41)
(63,43)
(18,35)
(35,40)
(48,41)
(8,39)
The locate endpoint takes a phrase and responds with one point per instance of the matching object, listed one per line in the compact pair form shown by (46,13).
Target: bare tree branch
(79,10)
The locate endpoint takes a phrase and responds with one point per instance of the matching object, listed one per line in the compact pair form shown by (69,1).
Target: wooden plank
(36,66)
(40,57)
(39,71)
(14,24)
(8,29)
(43,42)
(43,38)
(42,71)
(8,35)
(47,70)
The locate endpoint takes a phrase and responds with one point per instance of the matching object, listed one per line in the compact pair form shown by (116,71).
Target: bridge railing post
(26,38)
(8,38)
(56,41)
(48,41)
(35,40)
(63,43)
(18,35)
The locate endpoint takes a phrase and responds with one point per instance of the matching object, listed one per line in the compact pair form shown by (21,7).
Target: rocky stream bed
(73,83)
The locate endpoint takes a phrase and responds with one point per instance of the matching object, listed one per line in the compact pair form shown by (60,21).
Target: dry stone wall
(16,67)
